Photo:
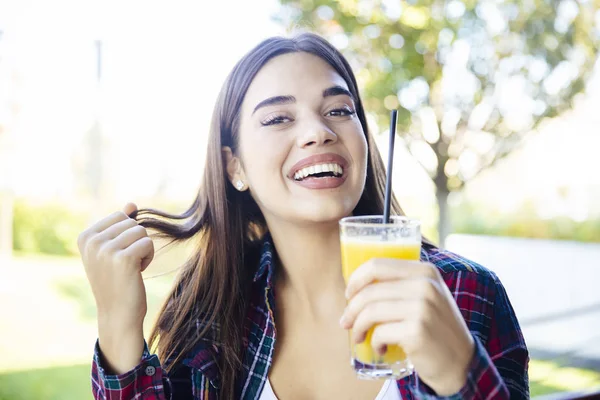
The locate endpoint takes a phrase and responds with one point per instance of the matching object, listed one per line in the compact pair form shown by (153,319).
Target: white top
(389,391)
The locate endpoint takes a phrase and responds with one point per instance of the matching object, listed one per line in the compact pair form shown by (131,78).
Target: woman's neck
(309,275)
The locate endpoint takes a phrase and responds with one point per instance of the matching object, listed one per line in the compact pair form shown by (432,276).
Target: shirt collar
(265,265)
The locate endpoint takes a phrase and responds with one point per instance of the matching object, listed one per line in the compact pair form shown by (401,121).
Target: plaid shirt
(498,369)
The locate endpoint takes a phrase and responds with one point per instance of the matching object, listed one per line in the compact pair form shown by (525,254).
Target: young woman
(260,310)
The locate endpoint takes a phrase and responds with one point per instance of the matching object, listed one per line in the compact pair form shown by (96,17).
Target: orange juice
(357,251)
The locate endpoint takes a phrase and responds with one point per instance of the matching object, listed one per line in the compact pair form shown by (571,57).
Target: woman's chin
(322,213)
(311,211)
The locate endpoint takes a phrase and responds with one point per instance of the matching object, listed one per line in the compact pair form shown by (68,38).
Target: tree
(470,78)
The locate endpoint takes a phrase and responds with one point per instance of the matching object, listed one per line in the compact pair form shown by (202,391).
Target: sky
(163,64)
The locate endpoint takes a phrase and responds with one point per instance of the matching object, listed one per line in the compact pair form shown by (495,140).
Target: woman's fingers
(142,249)
(93,235)
(130,208)
(379,291)
(128,237)
(422,289)
(387,269)
(401,333)
(116,229)
(383,312)
(107,222)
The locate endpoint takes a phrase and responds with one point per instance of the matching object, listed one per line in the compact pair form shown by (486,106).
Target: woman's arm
(498,368)
(452,318)
(500,365)
(114,252)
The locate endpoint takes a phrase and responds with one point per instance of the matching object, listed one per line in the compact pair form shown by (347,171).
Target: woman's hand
(413,308)
(114,252)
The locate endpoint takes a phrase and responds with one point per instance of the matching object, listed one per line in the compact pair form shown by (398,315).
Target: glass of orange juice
(363,238)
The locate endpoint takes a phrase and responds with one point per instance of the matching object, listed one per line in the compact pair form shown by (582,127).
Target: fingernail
(343,321)
(360,339)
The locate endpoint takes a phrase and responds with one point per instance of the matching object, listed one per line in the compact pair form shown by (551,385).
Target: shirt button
(150,370)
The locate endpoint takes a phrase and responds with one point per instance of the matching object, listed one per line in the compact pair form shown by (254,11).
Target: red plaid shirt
(498,369)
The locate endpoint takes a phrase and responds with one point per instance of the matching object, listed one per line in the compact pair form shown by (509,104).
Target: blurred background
(102,103)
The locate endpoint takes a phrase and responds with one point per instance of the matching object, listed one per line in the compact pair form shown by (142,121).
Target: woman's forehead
(293,74)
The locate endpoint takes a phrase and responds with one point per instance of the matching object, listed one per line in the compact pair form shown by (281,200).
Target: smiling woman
(255,312)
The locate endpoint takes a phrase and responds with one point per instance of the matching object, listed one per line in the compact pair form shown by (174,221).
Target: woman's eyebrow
(337,91)
(279,100)
(276,100)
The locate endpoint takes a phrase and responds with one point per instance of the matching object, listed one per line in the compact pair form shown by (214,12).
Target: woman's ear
(234,169)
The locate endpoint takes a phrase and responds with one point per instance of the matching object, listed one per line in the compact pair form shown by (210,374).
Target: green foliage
(46,228)
(472,77)
(471,219)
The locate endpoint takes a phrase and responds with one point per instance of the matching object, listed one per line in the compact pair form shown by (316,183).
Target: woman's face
(302,149)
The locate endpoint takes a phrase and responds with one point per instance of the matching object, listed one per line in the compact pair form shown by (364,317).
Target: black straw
(388,179)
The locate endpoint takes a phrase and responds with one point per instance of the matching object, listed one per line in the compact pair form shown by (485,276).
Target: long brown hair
(227,225)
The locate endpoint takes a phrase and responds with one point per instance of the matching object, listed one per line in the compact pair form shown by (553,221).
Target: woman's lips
(328,182)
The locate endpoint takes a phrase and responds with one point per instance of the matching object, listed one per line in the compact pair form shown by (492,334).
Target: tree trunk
(444,224)
(441,193)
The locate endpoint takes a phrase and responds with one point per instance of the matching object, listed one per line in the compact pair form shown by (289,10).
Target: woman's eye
(274,120)
(341,112)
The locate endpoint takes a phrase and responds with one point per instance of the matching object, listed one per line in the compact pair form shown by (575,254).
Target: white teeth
(317,169)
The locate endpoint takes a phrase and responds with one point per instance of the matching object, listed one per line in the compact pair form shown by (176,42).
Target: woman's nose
(316,134)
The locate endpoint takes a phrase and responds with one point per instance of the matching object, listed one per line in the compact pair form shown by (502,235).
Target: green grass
(551,377)
(58,383)
(540,389)
(73,382)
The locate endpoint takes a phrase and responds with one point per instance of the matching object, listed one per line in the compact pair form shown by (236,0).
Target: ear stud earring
(239,185)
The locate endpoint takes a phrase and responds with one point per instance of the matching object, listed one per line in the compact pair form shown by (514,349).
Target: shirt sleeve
(507,350)
(498,369)
(147,381)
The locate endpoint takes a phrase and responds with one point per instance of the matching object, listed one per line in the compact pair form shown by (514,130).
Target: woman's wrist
(456,378)
(121,349)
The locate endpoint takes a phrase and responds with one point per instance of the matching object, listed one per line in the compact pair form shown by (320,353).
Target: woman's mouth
(320,171)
